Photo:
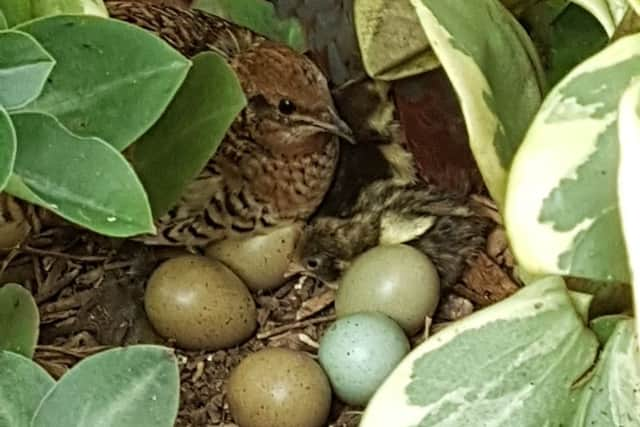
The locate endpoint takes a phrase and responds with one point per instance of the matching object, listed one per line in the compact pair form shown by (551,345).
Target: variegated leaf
(636,5)
(494,70)
(561,210)
(608,12)
(628,179)
(511,364)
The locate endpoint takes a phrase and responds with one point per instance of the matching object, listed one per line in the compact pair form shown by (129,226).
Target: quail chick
(440,224)
(278,158)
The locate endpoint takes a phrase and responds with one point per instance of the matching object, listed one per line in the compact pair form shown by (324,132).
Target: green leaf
(492,72)
(561,210)
(24,67)
(133,386)
(391,39)
(112,79)
(520,359)
(19,320)
(16,11)
(259,16)
(611,397)
(608,12)
(3,21)
(23,384)
(7,147)
(189,132)
(59,7)
(84,180)
(628,178)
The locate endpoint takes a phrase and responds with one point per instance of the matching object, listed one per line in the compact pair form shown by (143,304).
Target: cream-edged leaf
(608,12)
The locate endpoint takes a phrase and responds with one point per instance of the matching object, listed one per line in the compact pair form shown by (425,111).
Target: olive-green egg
(278,387)
(397,280)
(358,352)
(200,303)
(260,261)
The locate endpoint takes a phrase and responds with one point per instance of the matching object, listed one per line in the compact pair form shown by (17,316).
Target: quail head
(440,224)
(278,158)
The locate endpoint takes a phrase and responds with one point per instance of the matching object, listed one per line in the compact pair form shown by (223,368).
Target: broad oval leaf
(16,11)
(561,211)
(391,39)
(24,68)
(628,178)
(189,132)
(127,78)
(23,384)
(7,147)
(19,320)
(84,180)
(259,16)
(59,7)
(611,396)
(495,74)
(133,386)
(511,364)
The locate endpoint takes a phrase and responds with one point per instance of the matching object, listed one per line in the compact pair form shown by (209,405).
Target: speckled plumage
(440,224)
(274,165)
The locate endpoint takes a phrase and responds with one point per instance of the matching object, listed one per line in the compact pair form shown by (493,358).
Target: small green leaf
(23,385)
(24,68)
(112,79)
(84,180)
(133,386)
(7,147)
(520,359)
(16,11)
(19,320)
(494,73)
(3,21)
(189,132)
(59,7)
(259,16)
(611,397)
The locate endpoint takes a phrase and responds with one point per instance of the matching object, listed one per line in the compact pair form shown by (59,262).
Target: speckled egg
(260,261)
(397,280)
(278,387)
(358,352)
(199,303)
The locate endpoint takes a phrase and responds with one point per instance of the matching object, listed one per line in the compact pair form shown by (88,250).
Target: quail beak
(335,126)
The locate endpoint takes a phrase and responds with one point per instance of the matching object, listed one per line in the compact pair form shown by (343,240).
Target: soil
(89,290)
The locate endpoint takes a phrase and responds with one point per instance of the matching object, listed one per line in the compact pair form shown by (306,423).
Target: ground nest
(90,288)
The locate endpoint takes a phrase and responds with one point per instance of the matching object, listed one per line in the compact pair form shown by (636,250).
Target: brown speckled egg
(200,303)
(278,387)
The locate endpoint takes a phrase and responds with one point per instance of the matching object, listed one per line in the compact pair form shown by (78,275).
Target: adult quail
(278,158)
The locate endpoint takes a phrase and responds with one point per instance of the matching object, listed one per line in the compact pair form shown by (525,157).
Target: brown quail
(278,158)
(439,223)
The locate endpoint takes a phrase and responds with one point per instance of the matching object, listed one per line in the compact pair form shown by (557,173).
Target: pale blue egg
(359,351)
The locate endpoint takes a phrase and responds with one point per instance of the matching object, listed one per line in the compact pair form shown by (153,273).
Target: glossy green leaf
(133,386)
(84,180)
(494,73)
(519,359)
(259,16)
(24,68)
(112,79)
(7,147)
(608,12)
(561,212)
(19,320)
(611,396)
(59,7)
(23,385)
(3,21)
(16,11)
(189,132)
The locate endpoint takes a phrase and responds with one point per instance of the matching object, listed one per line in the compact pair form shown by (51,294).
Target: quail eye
(286,106)
(312,263)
